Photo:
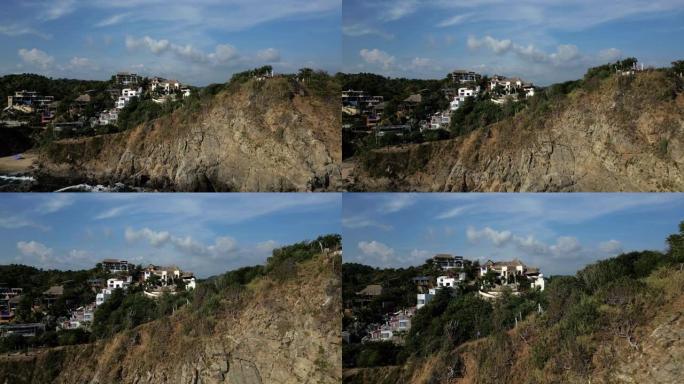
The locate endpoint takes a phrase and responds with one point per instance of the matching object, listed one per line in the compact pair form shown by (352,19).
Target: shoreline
(26,165)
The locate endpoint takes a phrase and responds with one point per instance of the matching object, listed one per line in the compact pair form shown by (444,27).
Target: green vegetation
(61,89)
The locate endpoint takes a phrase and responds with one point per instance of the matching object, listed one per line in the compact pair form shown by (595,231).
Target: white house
(102,296)
(119,283)
(423,299)
(538,282)
(446,281)
(189,280)
(166,274)
(185,92)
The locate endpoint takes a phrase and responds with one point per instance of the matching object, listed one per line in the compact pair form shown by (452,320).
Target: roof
(443,256)
(371,290)
(422,278)
(415,98)
(114,261)
(85,98)
(55,290)
(16,299)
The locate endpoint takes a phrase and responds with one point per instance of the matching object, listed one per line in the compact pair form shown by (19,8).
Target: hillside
(272,135)
(282,327)
(598,357)
(619,133)
(618,320)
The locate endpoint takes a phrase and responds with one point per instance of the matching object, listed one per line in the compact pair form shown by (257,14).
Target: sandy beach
(10,164)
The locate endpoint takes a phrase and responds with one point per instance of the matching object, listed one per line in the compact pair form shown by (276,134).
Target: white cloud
(36,57)
(79,64)
(267,246)
(155,238)
(112,212)
(269,55)
(565,53)
(398,9)
(34,249)
(376,248)
(356,30)
(565,246)
(57,8)
(498,238)
(420,254)
(455,20)
(113,20)
(15,30)
(498,46)
(362,222)
(223,246)
(223,53)
(612,247)
(422,62)
(397,202)
(56,203)
(377,57)
(609,55)
(155,46)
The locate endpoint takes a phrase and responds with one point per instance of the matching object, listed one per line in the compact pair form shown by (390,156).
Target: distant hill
(606,132)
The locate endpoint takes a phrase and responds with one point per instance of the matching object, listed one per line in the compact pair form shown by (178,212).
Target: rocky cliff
(272,135)
(626,134)
(277,332)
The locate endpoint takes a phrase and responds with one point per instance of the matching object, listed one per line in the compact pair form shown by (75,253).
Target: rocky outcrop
(625,135)
(281,332)
(272,135)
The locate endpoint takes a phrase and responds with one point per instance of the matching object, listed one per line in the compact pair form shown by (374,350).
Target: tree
(675,243)
(678,67)
(153,281)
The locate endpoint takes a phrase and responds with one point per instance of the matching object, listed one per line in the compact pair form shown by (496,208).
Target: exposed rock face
(287,332)
(627,135)
(272,135)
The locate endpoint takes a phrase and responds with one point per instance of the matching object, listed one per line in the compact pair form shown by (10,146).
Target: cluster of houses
(358,103)
(32,102)
(9,301)
(494,278)
(465,85)
(127,87)
(155,280)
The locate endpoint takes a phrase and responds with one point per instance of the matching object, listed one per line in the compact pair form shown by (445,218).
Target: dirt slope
(273,135)
(625,135)
(285,332)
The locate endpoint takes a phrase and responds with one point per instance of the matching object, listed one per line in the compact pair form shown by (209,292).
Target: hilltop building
(447,261)
(465,76)
(126,78)
(115,265)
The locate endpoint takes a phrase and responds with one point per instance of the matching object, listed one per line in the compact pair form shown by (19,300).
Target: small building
(189,280)
(166,274)
(52,294)
(422,299)
(465,76)
(115,265)
(371,290)
(26,330)
(126,78)
(447,261)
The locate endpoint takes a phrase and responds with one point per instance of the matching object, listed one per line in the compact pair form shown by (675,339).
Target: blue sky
(197,42)
(545,41)
(557,232)
(204,233)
